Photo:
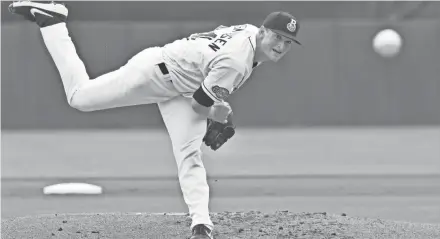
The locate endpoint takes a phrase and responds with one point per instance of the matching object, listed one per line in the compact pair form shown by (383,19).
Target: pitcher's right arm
(209,98)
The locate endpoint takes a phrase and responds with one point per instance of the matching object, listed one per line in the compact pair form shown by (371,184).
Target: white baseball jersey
(219,61)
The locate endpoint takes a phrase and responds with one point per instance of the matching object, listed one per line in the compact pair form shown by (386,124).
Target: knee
(190,159)
(80,105)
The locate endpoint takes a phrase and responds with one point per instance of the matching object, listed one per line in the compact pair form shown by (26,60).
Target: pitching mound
(228,225)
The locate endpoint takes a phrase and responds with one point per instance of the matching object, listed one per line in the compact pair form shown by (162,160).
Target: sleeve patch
(220,92)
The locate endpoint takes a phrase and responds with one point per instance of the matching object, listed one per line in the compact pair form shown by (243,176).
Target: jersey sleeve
(220,81)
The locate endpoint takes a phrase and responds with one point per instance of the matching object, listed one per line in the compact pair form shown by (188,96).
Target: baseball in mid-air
(387,43)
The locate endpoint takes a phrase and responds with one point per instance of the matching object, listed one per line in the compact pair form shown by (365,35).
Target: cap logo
(291,26)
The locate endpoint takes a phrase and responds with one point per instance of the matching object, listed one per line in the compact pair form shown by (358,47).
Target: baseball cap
(284,24)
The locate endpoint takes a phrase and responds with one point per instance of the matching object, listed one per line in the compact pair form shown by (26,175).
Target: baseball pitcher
(190,79)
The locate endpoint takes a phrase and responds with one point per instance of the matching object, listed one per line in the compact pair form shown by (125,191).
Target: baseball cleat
(201,231)
(43,13)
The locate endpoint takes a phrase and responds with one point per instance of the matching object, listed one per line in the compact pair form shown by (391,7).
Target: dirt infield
(252,224)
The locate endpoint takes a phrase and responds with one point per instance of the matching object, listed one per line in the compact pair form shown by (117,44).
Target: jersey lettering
(206,35)
(214,47)
(216,40)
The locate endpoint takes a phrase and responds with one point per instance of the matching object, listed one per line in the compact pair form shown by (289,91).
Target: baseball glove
(218,133)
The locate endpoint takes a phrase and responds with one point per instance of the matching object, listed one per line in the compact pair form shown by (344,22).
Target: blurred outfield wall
(335,79)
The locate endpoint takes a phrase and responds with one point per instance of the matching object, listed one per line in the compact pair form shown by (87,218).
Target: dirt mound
(253,224)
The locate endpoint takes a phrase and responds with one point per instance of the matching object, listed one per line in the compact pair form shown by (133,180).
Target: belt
(163,68)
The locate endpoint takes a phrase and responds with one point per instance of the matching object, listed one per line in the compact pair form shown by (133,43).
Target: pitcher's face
(275,45)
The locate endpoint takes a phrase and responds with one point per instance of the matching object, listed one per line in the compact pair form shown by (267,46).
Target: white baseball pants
(140,81)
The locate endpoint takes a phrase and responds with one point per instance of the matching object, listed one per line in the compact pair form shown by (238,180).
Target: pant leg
(138,82)
(186,129)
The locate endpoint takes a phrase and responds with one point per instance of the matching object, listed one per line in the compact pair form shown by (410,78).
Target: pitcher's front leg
(186,129)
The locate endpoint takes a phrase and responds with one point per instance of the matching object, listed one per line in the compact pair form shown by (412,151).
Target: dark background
(336,79)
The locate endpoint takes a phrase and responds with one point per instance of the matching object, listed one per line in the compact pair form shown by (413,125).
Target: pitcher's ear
(262,31)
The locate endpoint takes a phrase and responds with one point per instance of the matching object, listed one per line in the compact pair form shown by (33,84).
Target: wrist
(210,113)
